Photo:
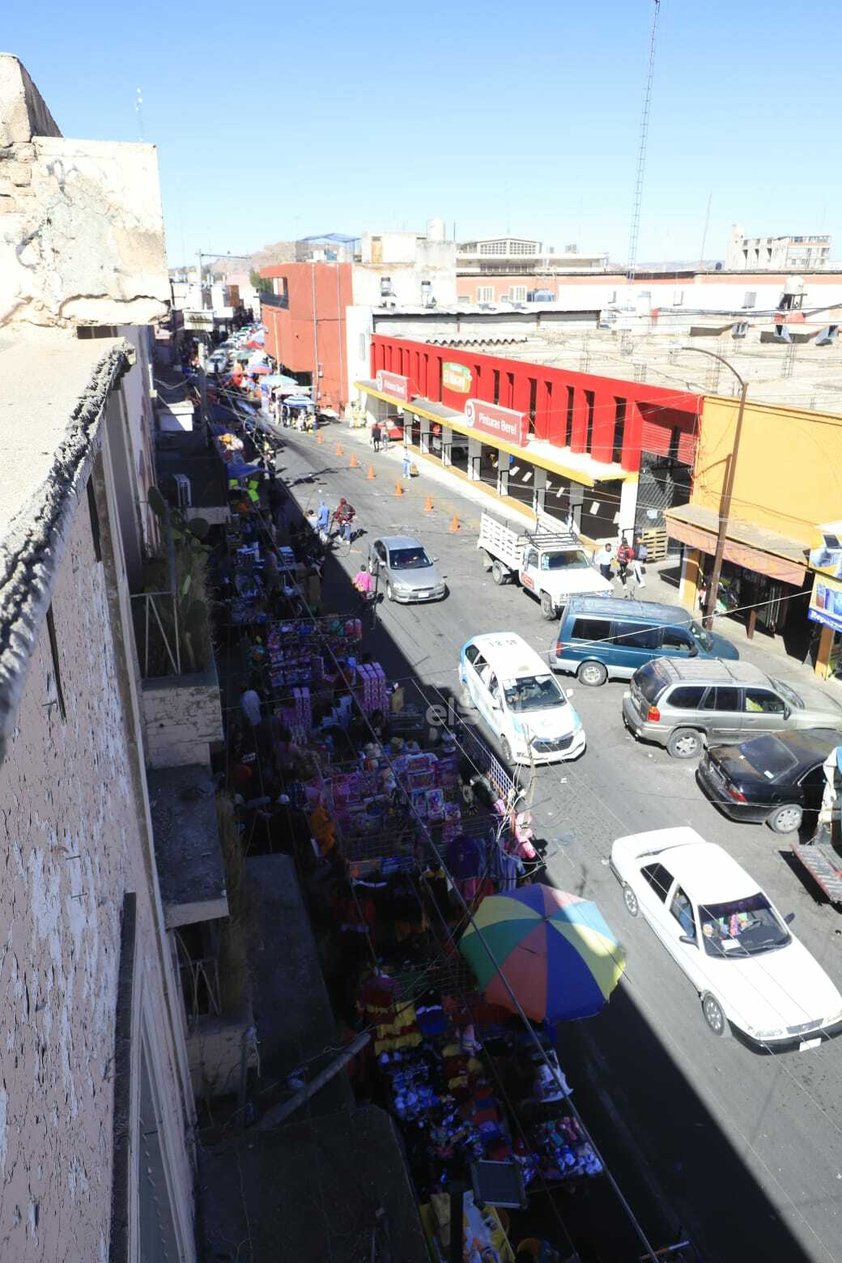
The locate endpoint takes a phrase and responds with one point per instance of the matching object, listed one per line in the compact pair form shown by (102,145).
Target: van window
(592,629)
(633,636)
(676,640)
(686,697)
(724,697)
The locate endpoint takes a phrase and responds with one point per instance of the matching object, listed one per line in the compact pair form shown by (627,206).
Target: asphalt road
(743,1150)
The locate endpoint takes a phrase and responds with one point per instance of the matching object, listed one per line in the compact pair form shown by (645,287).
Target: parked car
(519,700)
(405,570)
(776,779)
(688,704)
(550,564)
(725,934)
(606,638)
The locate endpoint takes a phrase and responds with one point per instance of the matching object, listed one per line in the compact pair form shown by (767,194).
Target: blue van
(609,637)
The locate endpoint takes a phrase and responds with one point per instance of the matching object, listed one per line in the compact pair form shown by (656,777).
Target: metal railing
(156,633)
(200,981)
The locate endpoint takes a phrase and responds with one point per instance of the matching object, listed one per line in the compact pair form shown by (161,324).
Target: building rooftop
(191,871)
(54,389)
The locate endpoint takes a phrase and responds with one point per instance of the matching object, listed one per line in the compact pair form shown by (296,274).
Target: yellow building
(787,483)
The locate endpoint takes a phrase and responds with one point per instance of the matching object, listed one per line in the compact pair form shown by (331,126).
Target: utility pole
(727,489)
(634,229)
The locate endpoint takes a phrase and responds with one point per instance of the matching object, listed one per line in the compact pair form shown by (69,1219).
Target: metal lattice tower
(634,229)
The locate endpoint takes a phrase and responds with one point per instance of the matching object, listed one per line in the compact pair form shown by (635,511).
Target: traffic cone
(339,450)
(455,524)
(320,438)
(371,474)
(428,504)
(399,491)
(353,463)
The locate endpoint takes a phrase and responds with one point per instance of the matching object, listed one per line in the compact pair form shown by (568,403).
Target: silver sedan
(404,571)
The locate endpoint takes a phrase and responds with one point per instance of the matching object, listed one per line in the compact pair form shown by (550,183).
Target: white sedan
(731,942)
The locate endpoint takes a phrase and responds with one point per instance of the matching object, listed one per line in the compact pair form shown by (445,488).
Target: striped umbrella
(557,954)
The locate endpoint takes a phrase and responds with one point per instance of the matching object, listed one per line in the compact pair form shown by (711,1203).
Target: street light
(727,489)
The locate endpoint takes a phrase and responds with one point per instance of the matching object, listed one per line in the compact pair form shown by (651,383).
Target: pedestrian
(407,463)
(343,516)
(376,436)
(364,585)
(641,556)
(624,556)
(251,706)
(323,522)
(604,560)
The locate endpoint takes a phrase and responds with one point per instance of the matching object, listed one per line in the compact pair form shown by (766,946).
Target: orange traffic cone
(428,504)
(455,524)
(399,491)
(353,463)
(339,450)
(320,438)
(371,474)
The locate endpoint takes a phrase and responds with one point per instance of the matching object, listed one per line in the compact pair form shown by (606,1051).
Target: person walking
(343,516)
(323,522)
(251,706)
(604,561)
(376,436)
(641,556)
(364,585)
(624,556)
(407,463)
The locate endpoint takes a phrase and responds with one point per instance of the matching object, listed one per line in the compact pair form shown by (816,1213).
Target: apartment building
(809,253)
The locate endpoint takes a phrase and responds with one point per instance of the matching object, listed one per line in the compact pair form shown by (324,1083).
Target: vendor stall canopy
(554,951)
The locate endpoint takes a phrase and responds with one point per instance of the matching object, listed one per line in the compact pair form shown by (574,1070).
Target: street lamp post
(727,489)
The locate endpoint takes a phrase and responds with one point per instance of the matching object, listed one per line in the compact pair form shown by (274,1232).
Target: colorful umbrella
(557,954)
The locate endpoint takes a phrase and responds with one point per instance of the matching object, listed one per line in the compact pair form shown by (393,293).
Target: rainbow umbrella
(557,954)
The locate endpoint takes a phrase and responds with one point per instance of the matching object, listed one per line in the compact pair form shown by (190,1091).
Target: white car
(725,934)
(519,700)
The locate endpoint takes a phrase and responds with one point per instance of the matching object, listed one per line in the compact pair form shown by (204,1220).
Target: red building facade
(305,325)
(612,420)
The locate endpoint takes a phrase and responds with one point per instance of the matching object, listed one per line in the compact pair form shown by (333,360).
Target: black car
(777,778)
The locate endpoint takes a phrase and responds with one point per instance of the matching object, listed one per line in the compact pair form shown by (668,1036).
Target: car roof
(509,654)
(399,541)
(707,670)
(619,607)
(706,872)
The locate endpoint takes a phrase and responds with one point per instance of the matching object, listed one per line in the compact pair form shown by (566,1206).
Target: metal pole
(725,513)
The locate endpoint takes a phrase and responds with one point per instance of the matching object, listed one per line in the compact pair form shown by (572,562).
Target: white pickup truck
(551,564)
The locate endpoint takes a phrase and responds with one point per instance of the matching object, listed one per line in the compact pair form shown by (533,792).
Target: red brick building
(305,325)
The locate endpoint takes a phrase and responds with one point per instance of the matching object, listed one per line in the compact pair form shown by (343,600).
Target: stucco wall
(182,716)
(71,843)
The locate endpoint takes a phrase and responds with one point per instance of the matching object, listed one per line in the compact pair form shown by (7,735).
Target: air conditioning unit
(183,491)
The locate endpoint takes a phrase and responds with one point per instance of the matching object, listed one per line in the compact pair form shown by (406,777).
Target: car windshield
(745,927)
(768,756)
(789,694)
(408,559)
(570,559)
(699,634)
(533,692)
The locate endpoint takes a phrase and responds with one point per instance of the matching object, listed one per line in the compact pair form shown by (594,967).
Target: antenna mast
(634,229)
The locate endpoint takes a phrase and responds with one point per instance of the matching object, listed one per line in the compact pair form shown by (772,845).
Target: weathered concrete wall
(182,716)
(215,1048)
(71,841)
(82,238)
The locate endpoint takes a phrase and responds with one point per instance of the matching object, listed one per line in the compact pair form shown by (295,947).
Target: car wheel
(547,606)
(785,819)
(630,900)
(505,750)
(592,674)
(498,574)
(684,743)
(390,596)
(713,1015)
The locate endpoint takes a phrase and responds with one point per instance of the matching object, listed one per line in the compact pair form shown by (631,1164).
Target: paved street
(746,1149)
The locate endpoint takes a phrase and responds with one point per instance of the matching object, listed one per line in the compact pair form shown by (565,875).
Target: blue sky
(284,120)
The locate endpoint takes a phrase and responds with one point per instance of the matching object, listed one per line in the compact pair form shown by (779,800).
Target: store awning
(752,547)
(577,466)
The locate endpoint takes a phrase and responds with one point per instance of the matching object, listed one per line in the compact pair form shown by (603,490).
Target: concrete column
(628,506)
(575,500)
(503,475)
(688,587)
(823,652)
(539,490)
(424,426)
(474,459)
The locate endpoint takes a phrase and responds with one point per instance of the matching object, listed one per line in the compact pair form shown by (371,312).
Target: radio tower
(634,229)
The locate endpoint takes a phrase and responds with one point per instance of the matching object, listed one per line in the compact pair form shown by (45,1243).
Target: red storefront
(612,420)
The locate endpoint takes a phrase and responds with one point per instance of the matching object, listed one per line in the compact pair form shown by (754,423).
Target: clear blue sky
(277,121)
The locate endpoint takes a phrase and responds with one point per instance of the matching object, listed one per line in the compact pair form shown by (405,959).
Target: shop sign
(826,602)
(456,377)
(198,321)
(393,384)
(500,423)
